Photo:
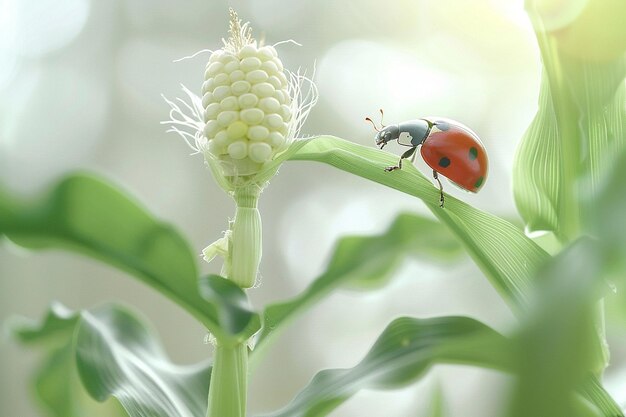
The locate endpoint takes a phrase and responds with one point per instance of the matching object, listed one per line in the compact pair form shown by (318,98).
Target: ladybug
(448,147)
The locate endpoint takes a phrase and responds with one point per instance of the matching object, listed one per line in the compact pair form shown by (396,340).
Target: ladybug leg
(407,154)
(441,199)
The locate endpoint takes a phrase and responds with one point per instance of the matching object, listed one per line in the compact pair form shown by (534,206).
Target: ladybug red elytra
(448,147)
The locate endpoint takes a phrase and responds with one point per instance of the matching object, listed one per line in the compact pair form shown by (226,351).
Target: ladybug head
(387,134)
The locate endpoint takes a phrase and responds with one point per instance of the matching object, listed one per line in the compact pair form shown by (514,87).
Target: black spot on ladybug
(443,126)
(444,162)
(473,153)
(479,182)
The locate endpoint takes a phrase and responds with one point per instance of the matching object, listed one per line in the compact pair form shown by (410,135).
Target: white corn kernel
(256,76)
(283,78)
(273,121)
(262,89)
(240,87)
(266,53)
(237,130)
(248,100)
(227,58)
(258,133)
(211,112)
(229,103)
(227,117)
(270,67)
(285,112)
(221,79)
(247,51)
(211,128)
(231,66)
(237,75)
(213,69)
(207,99)
(252,116)
(280,96)
(260,152)
(279,64)
(221,138)
(250,64)
(275,81)
(238,150)
(208,86)
(215,56)
(221,92)
(269,105)
(276,140)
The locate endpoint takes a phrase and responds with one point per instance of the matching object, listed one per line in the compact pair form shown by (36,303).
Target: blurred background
(80,88)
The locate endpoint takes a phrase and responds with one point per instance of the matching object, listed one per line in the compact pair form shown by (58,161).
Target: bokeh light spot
(43,26)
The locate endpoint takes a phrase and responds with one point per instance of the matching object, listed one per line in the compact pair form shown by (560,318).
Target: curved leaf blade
(56,328)
(580,123)
(90,216)
(507,257)
(404,351)
(537,168)
(232,306)
(56,384)
(113,354)
(117,356)
(364,262)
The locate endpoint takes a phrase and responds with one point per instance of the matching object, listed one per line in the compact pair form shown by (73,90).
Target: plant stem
(229,381)
(246,247)
(229,377)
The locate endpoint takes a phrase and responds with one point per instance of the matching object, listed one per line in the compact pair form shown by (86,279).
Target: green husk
(245,244)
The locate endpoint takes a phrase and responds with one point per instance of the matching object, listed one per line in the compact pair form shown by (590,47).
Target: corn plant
(567,181)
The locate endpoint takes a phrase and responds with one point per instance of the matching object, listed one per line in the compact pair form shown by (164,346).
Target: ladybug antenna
(367,119)
(382,115)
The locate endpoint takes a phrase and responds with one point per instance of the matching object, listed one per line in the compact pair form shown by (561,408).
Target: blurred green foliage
(85,214)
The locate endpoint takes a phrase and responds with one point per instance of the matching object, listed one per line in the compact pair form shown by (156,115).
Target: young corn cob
(251,109)
(247,107)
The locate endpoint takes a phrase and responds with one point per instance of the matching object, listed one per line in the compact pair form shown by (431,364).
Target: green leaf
(88,215)
(506,256)
(116,355)
(558,347)
(580,124)
(59,389)
(403,352)
(595,394)
(537,168)
(232,306)
(409,347)
(56,328)
(56,383)
(364,262)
